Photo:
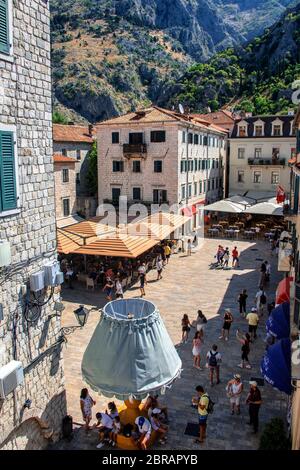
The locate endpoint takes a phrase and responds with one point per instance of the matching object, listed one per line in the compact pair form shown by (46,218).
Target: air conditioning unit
(11,375)
(37,281)
(51,270)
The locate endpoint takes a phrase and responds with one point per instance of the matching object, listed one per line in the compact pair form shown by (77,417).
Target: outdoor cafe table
(217,227)
(213,231)
(232,233)
(233,227)
(269,235)
(249,234)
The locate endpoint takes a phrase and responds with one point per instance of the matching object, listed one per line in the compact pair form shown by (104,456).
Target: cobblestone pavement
(189,284)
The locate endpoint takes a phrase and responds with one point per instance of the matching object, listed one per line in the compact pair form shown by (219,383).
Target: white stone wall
(25,102)
(285,144)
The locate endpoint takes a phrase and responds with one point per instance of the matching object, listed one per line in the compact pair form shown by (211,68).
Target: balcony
(266,162)
(133,150)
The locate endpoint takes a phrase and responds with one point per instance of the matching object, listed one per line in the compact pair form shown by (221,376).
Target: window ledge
(7,57)
(11,212)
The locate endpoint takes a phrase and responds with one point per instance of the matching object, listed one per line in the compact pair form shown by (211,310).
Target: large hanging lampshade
(130,353)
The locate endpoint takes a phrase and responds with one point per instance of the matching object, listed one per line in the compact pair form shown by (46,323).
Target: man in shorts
(203,402)
(143,428)
(105,425)
(253,320)
(234,390)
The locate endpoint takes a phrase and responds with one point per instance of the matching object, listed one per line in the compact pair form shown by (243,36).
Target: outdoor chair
(90,283)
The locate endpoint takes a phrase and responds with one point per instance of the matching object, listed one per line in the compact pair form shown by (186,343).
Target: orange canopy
(90,228)
(283,290)
(67,242)
(122,246)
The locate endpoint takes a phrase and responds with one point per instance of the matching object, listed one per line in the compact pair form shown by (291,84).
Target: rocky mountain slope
(110,56)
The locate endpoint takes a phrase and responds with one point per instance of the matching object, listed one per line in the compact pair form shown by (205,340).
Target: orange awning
(119,246)
(283,290)
(148,230)
(165,218)
(67,242)
(90,228)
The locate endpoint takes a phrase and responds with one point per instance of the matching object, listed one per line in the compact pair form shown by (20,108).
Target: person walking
(226,258)
(119,289)
(261,302)
(242,300)
(202,401)
(159,268)
(201,322)
(228,319)
(235,258)
(108,288)
(254,401)
(168,251)
(253,320)
(142,284)
(268,271)
(245,342)
(189,247)
(234,391)
(86,404)
(197,349)
(186,328)
(262,279)
(214,360)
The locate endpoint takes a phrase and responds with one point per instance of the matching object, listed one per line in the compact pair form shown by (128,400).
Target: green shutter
(4,33)
(8,193)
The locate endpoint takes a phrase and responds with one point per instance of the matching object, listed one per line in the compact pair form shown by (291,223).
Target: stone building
(260,150)
(65,187)
(156,156)
(30,332)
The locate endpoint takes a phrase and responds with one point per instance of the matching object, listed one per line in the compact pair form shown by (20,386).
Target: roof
(67,242)
(159,115)
(267,120)
(71,133)
(59,158)
(222,118)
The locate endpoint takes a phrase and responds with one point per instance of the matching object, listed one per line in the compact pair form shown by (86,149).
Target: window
(241,176)
(241,153)
(4,27)
(77,178)
(205,140)
(182,191)
(118,165)
(200,187)
(182,166)
(136,166)
(213,164)
(195,189)
(136,194)
(183,137)
(257,177)
(217,164)
(66,207)
(217,183)
(78,151)
(65,175)
(196,139)
(8,191)
(160,196)
(158,166)
(115,194)
(208,185)
(242,131)
(277,129)
(203,164)
(63,151)
(190,190)
(158,136)
(212,184)
(115,137)
(190,138)
(275,177)
(201,139)
(136,138)
(190,165)
(258,130)
(257,153)
(204,186)
(195,164)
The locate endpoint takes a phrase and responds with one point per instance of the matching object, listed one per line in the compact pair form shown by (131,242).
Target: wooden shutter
(4,33)
(8,194)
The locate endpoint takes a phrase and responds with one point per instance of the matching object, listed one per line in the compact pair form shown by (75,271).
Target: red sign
(280,194)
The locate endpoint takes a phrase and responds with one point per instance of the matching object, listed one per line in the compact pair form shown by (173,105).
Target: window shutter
(7,172)
(4,35)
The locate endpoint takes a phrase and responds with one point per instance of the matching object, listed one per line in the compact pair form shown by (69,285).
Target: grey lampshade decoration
(130,354)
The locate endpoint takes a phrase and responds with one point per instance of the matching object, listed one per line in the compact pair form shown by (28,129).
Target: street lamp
(81,315)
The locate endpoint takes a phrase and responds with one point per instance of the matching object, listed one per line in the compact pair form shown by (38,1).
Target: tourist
(242,300)
(235,258)
(70,275)
(234,390)
(253,320)
(105,425)
(228,319)
(113,410)
(189,247)
(159,267)
(186,328)
(167,250)
(143,429)
(119,289)
(254,401)
(214,360)
(245,342)
(262,279)
(196,349)
(160,428)
(108,288)
(268,271)
(86,404)
(270,308)
(261,301)
(200,323)
(220,254)
(225,259)
(151,403)
(202,402)
(115,430)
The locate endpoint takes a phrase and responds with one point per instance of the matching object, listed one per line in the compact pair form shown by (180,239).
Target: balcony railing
(134,149)
(266,162)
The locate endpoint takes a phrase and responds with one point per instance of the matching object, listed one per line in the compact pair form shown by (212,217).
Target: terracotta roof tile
(72,133)
(59,158)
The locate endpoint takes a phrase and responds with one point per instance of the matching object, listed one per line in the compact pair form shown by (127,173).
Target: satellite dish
(209,109)
(181,108)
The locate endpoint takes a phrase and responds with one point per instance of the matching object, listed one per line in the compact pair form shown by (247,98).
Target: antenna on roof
(209,109)
(181,108)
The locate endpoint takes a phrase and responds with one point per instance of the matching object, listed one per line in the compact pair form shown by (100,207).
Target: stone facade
(25,110)
(65,186)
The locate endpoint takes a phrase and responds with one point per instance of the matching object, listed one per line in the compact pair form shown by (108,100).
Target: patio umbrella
(278,323)
(130,354)
(276,366)
(226,206)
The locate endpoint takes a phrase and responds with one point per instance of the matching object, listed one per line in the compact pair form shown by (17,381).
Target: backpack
(263,299)
(212,361)
(211,404)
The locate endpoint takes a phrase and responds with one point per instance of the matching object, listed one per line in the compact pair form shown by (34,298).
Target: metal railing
(266,162)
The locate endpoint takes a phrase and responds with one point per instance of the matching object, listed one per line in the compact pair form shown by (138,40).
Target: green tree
(59,118)
(92,173)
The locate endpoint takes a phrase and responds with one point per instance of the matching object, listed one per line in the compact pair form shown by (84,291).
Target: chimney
(90,128)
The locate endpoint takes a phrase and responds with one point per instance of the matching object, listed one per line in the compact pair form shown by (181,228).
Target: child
(115,431)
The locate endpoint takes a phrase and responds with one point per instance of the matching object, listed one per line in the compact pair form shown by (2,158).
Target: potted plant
(274,436)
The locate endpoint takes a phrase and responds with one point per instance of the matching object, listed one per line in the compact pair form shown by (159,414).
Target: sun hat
(253,309)
(252,382)
(237,376)
(156,411)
